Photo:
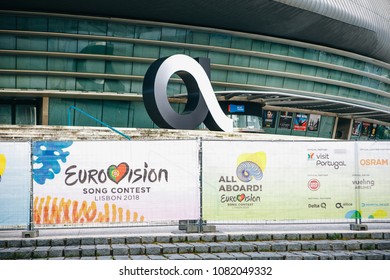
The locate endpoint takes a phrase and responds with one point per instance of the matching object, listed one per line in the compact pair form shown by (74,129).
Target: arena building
(317,68)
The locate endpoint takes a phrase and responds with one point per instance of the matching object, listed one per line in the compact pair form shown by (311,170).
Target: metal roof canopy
(334,105)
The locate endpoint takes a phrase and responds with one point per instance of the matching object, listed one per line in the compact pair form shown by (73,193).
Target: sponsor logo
(324,160)
(313,185)
(374,162)
(317,205)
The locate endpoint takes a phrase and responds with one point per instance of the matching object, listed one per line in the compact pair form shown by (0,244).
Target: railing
(93,118)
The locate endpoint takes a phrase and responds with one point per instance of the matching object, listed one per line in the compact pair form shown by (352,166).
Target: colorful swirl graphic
(248,170)
(251,166)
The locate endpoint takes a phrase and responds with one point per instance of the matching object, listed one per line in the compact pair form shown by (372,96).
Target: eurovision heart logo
(241,197)
(117,172)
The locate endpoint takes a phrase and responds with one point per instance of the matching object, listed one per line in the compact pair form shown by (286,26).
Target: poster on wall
(115,182)
(285,120)
(314,122)
(259,181)
(366,128)
(269,118)
(373,130)
(15,184)
(356,129)
(300,122)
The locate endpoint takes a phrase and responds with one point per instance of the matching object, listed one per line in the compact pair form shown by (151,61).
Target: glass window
(253,122)
(198,38)
(148,32)
(25,114)
(61,64)
(7,62)
(32,23)
(311,54)
(279,49)
(31,63)
(8,81)
(37,82)
(261,46)
(173,34)
(239,60)
(246,121)
(120,30)
(242,43)
(122,49)
(7,42)
(62,45)
(238,121)
(296,51)
(92,27)
(61,83)
(293,67)
(7,22)
(277,65)
(5,114)
(220,40)
(31,44)
(63,25)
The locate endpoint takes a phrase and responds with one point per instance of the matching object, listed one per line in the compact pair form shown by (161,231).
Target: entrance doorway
(19,111)
(343,127)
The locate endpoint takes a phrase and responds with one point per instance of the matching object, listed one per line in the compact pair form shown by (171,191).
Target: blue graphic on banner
(47,156)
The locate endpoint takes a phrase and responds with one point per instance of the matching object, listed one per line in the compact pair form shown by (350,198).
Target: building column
(45,111)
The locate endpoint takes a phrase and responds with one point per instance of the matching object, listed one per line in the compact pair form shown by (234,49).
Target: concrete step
(306,246)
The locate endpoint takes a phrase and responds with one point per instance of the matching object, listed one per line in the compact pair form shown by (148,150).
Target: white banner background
(113,182)
(15,184)
(298,181)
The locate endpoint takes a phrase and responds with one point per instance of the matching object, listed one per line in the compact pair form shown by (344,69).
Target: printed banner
(15,184)
(115,182)
(278,180)
(372,179)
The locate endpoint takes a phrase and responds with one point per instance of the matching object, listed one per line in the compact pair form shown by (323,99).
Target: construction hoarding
(115,182)
(259,181)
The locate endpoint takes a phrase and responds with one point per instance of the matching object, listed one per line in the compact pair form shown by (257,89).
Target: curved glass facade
(98,64)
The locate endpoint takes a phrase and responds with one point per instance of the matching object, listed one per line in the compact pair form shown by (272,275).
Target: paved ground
(227,229)
(249,242)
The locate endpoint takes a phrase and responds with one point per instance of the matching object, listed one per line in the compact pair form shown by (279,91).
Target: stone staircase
(204,246)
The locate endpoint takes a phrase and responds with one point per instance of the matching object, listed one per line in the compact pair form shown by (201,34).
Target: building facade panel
(101,57)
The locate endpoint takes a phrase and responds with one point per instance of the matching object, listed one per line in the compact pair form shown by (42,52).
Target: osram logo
(374,161)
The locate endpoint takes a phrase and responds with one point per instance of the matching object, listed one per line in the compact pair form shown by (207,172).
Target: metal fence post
(31,232)
(358,218)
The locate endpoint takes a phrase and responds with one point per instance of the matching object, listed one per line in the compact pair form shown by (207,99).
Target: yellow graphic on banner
(3,162)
